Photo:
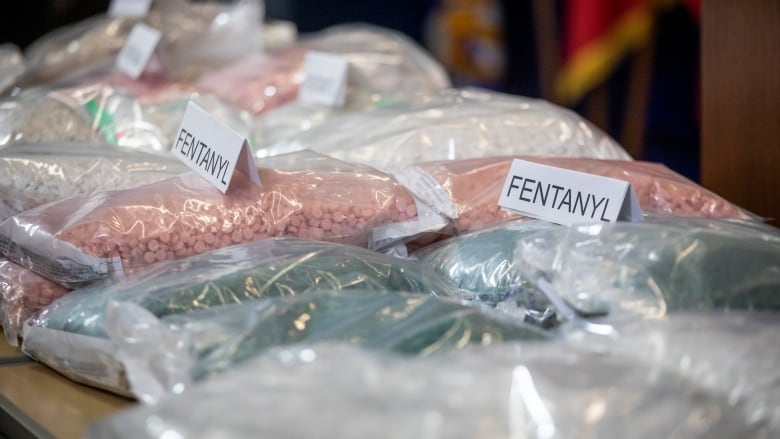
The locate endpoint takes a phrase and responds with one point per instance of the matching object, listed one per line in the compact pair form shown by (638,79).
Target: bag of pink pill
(87,238)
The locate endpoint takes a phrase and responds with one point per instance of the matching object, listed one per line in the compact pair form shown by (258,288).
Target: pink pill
(153,245)
(338,217)
(247,234)
(326,224)
(237,236)
(160,255)
(149,257)
(199,247)
(209,238)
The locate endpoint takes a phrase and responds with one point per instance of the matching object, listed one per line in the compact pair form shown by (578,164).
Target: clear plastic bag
(383,64)
(449,125)
(497,392)
(202,344)
(92,44)
(645,270)
(77,323)
(143,115)
(12,66)
(22,293)
(467,191)
(41,174)
(88,238)
(485,267)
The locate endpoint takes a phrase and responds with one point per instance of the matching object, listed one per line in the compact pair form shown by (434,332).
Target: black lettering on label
(604,212)
(203,147)
(555,196)
(180,140)
(543,195)
(566,200)
(223,167)
(194,148)
(512,184)
(578,199)
(203,163)
(596,206)
(526,189)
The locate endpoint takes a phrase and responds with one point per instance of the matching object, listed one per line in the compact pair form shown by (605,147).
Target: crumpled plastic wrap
(71,334)
(467,191)
(34,175)
(646,270)
(88,238)
(12,66)
(143,115)
(199,345)
(185,26)
(453,124)
(502,391)
(485,267)
(22,292)
(383,64)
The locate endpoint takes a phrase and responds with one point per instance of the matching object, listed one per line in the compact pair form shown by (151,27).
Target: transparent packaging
(108,234)
(646,270)
(467,191)
(12,66)
(449,125)
(540,391)
(39,174)
(93,43)
(71,335)
(383,65)
(22,293)
(204,344)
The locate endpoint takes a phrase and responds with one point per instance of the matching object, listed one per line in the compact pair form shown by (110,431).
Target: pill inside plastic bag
(642,270)
(467,191)
(88,238)
(22,292)
(39,174)
(12,66)
(449,125)
(496,392)
(71,334)
(93,43)
(383,64)
(202,344)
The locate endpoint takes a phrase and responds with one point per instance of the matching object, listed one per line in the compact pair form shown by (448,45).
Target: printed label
(567,197)
(326,80)
(137,51)
(428,190)
(213,149)
(129,8)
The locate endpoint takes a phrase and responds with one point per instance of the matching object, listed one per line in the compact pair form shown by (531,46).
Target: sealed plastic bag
(496,392)
(94,42)
(71,334)
(143,115)
(467,191)
(640,270)
(40,174)
(88,238)
(383,65)
(22,292)
(12,66)
(202,344)
(453,124)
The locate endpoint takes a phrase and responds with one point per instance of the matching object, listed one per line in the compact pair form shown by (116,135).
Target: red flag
(597,35)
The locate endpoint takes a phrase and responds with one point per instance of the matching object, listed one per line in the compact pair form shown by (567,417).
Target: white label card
(129,8)
(213,149)
(137,51)
(325,80)
(567,197)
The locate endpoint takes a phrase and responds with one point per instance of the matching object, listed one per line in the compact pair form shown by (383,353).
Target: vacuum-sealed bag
(467,191)
(88,238)
(645,270)
(495,392)
(71,335)
(383,64)
(453,124)
(202,344)
(185,26)
(39,174)
(22,293)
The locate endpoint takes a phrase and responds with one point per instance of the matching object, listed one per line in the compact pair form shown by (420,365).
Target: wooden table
(36,402)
